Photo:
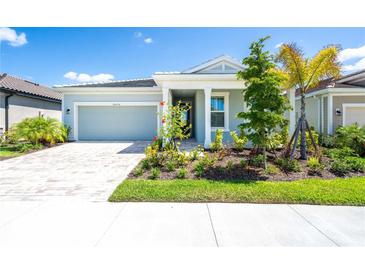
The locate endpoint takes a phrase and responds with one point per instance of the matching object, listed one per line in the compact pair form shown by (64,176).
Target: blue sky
(46,55)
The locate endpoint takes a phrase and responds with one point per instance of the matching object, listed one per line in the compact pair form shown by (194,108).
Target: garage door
(117,122)
(354,114)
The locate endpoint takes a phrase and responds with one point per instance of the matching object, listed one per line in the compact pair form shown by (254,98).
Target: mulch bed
(219,171)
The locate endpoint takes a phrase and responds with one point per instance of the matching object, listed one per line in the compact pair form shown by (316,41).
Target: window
(218,119)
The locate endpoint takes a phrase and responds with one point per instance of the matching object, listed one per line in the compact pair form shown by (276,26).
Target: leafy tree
(305,73)
(263,96)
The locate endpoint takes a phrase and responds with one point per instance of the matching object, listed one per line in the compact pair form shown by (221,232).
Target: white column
(207,96)
(291,96)
(165,98)
(330,114)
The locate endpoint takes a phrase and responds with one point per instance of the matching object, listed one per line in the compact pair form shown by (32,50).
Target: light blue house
(128,109)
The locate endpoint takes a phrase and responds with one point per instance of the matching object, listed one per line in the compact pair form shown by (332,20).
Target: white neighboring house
(20,99)
(335,103)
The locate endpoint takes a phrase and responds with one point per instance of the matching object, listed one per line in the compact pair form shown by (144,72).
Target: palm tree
(303,74)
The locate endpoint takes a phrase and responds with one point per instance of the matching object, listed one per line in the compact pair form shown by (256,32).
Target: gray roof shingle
(15,84)
(135,83)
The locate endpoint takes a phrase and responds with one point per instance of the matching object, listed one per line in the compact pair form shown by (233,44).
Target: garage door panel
(354,115)
(117,122)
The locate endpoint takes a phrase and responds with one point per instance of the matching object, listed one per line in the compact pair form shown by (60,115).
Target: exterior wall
(235,105)
(2,113)
(199,117)
(312,112)
(325,115)
(21,107)
(69,99)
(337,103)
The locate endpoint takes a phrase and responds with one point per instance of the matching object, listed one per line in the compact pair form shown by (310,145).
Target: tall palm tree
(305,73)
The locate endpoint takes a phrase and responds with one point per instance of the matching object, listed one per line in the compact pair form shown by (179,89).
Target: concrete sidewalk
(81,223)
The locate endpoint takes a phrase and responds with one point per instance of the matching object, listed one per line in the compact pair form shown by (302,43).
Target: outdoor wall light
(68,111)
(338,112)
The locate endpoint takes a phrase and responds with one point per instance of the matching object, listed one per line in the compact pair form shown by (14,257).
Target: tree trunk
(303,145)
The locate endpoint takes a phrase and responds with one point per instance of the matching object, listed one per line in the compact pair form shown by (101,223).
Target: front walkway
(86,170)
(85,224)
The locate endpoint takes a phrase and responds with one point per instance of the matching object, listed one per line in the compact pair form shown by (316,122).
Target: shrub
(327,141)
(243,163)
(155,173)
(340,153)
(145,164)
(351,136)
(340,167)
(288,165)
(138,171)
(181,158)
(258,160)
(238,142)
(195,153)
(170,166)
(271,170)
(229,165)
(22,148)
(218,141)
(356,163)
(314,165)
(308,140)
(40,130)
(152,156)
(181,173)
(199,169)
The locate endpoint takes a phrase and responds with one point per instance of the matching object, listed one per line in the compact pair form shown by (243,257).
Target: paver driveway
(86,170)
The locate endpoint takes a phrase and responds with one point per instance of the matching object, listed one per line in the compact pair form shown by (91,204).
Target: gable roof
(212,66)
(15,84)
(133,83)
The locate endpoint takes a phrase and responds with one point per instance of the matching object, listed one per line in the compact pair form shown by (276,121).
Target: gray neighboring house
(20,99)
(335,103)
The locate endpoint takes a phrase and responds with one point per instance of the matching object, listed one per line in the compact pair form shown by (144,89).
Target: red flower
(163,120)
(155,138)
(162,103)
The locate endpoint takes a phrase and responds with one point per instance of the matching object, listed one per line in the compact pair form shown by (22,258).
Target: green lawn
(349,191)
(7,152)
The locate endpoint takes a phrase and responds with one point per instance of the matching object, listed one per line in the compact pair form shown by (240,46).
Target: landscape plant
(352,136)
(217,144)
(303,74)
(174,126)
(265,102)
(239,142)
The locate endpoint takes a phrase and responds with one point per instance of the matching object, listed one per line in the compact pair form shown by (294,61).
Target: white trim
(225,96)
(322,113)
(121,104)
(207,126)
(330,114)
(318,111)
(212,62)
(62,109)
(336,92)
(344,106)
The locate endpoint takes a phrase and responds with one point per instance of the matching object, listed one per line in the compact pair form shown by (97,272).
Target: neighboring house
(128,110)
(20,99)
(335,103)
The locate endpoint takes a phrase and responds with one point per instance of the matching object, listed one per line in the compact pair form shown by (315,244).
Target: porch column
(207,96)
(165,98)
(291,97)
(330,115)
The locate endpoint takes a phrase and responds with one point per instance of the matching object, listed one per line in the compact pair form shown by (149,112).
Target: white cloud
(351,53)
(148,40)
(359,65)
(138,34)
(279,45)
(84,77)
(14,39)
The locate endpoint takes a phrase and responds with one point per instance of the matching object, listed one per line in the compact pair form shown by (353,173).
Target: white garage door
(128,123)
(354,114)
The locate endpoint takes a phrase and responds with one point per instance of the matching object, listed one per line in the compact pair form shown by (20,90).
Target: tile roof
(15,84)
(133,83)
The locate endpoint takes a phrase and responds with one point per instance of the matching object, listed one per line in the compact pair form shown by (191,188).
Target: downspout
(7,111)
